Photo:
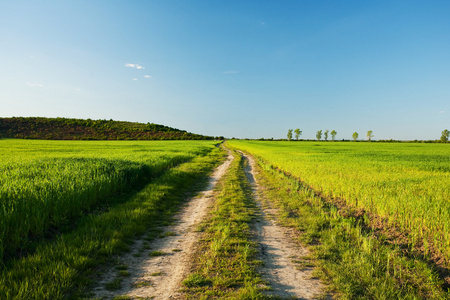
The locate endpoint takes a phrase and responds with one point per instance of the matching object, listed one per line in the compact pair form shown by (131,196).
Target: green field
(69,208)
(66,204)
(407,183)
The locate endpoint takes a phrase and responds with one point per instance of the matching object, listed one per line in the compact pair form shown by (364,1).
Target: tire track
(280,254)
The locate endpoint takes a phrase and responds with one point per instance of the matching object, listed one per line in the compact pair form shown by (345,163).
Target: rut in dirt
(158,272)
(282,256)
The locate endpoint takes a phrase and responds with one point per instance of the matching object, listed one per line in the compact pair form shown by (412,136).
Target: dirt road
(157,272)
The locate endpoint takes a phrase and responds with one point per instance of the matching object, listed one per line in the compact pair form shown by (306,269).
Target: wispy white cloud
(34,84)
(230,72)
(135,66)
(135,79)
(442,112)
(147,76)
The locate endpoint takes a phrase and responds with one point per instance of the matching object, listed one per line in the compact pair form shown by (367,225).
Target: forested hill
(79,129)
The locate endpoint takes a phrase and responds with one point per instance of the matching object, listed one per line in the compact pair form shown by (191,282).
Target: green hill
(79,129)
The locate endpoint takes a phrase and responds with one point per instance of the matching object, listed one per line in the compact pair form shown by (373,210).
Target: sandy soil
(159,277)
(282,256)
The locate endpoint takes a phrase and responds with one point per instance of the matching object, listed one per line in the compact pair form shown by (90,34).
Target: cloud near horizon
(136,66)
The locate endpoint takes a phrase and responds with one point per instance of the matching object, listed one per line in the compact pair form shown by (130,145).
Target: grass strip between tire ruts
(224,266)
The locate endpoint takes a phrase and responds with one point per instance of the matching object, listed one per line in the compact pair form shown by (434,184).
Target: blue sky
(233,68)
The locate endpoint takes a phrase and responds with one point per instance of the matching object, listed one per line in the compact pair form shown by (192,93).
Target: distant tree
(289,135)
(325,135)
(319,135)
(333,134)
(298,133)
(355,136)
(444,136)
(369,135)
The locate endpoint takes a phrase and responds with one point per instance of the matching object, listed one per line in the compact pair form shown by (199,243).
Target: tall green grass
(46,184)
(409,184)
(65,266)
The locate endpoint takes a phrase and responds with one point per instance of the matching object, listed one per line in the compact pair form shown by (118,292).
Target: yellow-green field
(408,183)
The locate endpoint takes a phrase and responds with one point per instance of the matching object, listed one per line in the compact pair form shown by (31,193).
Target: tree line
(369,135)
(80,129)
(326,133)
